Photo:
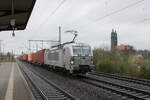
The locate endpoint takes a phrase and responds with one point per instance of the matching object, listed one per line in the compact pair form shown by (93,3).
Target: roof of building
(22,12)
(124,47)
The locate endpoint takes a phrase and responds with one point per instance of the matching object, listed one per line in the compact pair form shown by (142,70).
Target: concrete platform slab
(5,70)
(12,83)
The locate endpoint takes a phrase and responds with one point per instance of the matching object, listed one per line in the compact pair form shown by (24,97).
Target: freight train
(72,57)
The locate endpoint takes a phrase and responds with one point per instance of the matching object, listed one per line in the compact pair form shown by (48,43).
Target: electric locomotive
(72,57)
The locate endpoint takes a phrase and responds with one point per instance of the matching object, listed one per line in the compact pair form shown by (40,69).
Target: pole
(29,46)
(12,21)
(0,50)
(59,35)
(36,47)
(0,46)
(42,44)
(12,54)
(3,48)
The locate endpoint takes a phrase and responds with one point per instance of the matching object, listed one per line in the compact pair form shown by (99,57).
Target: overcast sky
(93,19)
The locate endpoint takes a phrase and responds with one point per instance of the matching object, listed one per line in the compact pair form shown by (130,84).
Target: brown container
(39,56)
(25,57)
(33,57)
(30,57)
(20,57)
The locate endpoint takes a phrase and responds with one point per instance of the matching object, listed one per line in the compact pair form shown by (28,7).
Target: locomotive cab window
(77,50)
(86,51)
(81,50)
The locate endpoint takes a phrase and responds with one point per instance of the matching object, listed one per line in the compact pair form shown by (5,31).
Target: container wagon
(25,57)
(30,57)
(39,57)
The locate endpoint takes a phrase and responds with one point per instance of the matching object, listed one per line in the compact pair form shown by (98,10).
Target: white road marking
(9,92)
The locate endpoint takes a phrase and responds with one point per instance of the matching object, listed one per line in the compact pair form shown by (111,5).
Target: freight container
(25,57)
(39,57)
(33,57)
(20,57)
(30,57)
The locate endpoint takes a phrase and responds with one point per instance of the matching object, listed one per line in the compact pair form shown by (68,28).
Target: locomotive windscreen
(81,50)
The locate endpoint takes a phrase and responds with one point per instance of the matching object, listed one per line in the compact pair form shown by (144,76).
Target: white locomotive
(72,57)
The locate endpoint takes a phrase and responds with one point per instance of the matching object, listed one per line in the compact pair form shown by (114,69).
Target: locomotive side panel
(54,57)
(66,58)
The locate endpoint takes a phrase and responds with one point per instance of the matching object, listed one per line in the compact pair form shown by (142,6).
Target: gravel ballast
(74,86)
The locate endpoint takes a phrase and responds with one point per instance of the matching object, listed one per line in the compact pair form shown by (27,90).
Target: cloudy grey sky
(93,19)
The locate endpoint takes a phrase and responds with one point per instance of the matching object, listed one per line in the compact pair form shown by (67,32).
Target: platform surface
(12,83)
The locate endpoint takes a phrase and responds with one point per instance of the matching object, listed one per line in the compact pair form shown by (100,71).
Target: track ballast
(123,78)
(44,89)
(122,90)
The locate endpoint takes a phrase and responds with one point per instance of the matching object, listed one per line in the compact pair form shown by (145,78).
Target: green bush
(122,64)
(145,69)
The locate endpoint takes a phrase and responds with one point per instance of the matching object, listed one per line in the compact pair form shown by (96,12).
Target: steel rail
(54,85)
(130,92)
(123,78)
(64,95)
(42,95)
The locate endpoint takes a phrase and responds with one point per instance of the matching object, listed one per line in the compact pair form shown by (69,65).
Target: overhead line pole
(0,46)
(42,44)
(59,35)
(0,50)
(29,46)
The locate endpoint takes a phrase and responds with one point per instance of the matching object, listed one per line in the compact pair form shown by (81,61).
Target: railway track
(122,78)
(124,91)
(121,90)
(43,88)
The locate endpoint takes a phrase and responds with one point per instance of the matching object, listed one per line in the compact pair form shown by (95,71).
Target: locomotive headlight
(92,62)
(72,62)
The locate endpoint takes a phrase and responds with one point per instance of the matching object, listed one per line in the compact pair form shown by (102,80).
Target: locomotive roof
(70,45)
(77,44)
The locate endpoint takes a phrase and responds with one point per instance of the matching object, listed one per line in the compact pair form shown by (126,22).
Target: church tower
(114,40)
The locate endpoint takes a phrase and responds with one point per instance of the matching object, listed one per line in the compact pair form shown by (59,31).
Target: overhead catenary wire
(119,10)
(111,13)
(97,20)
(55,10)
(101,18)
(46,19)
(51,14)
(144,20)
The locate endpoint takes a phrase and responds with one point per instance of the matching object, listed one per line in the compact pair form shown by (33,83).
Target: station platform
(13,86)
